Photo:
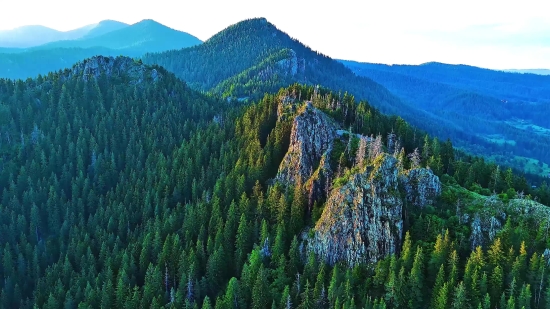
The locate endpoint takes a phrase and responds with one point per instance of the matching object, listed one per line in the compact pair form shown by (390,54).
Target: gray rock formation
(362,220)
(92,68)
(421,186)
(311,138)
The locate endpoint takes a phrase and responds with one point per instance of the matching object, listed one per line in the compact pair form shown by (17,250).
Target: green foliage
(156,195)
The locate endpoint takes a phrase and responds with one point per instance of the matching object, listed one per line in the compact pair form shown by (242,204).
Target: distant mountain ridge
(507,113)
(107,38)
(31,36)
(144,36)
(530,71)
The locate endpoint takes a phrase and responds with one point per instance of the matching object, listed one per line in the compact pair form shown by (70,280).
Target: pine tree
(416,279)
(460,300)
(260,291)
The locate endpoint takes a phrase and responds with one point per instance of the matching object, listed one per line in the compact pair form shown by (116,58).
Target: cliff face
(311,138)
(421,186)
(362,220)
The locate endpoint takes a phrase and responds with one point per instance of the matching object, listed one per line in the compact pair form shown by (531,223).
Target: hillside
(139,38)
(125,188)
(508,112)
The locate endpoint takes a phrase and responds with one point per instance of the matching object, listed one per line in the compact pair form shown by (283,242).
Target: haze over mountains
(62,49)
(30,36)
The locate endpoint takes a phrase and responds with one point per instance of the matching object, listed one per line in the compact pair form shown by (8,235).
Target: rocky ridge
(93,67)
(312,135)
(363,219)
(421,186)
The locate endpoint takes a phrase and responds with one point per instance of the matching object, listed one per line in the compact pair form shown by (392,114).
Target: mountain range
(506,112)
(30,36)
(109,38)
(496,114)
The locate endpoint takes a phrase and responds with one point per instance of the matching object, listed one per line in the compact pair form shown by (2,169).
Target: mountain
(253,57)
(107,38)
(124,188)
(506,112)
(30,36)
(134,40)
(264,58)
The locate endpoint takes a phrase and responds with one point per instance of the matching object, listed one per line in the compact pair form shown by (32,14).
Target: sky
(493,34)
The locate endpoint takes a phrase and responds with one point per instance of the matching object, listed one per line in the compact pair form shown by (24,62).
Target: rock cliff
(362,220)
(311,138)
(421,186)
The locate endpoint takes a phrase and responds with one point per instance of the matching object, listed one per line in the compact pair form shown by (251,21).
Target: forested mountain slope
(257,45)
(124,188)
(507,112)
(253,57)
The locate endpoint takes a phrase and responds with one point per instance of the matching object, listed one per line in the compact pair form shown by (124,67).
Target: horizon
(492,35)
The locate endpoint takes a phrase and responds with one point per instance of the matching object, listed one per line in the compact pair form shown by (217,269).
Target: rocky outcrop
(311,138)
(491,217)
(421,186)
(290,64)
(120,66)
(362,220)
(318,183)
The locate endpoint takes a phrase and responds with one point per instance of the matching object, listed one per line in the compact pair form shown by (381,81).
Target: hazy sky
(495,34)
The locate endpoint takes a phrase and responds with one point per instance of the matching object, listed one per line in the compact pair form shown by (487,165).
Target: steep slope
(134,40)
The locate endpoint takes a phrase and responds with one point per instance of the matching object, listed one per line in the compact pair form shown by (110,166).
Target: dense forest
(124,188)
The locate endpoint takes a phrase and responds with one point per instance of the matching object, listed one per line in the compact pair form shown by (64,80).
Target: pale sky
(486,33)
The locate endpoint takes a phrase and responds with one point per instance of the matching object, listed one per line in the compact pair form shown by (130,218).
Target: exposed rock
(362,220)
(311,138)
(317,184)
(484,230)
(120,66)
(489,220)
(421,186)
(289,64)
